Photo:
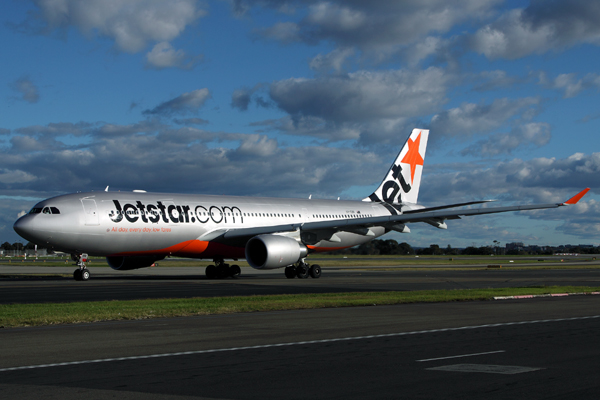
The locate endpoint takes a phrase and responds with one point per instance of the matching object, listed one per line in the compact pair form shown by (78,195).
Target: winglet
(577,197)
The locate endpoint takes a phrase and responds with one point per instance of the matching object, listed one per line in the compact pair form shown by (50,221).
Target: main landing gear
(81,273)
(221,270)
(302,270)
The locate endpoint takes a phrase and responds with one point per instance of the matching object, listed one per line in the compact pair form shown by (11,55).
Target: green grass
(14,315)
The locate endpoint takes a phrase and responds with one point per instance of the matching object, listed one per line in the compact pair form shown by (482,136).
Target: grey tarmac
(536,348)
(23,285)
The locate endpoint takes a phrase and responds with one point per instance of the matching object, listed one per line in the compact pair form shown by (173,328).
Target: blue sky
(292,98)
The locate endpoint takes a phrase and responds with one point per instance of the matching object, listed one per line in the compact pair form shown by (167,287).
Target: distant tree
(6,246)
(367,249)
(432,250)
(450,251)
(405,248)
(478,251)
(386,247)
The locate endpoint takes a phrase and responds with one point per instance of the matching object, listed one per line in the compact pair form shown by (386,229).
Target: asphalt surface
(530,349)
(23,285)
(517,349)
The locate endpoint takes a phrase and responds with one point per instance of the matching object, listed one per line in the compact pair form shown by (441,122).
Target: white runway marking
(462,355)
(489,369)
(266,346)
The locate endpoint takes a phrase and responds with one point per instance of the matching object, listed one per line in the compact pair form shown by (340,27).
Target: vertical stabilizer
(403,180)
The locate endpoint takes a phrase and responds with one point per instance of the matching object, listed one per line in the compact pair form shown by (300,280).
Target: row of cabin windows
(45,210)
(204,213)
(341,216)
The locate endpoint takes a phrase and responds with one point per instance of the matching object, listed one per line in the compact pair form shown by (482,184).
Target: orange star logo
(413,157)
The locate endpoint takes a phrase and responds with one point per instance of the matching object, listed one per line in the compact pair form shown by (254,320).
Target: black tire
(315,271)
(290,272)
(222,271)
(85,274)
(302,272)
(77,274)
(235,271)
(211,272)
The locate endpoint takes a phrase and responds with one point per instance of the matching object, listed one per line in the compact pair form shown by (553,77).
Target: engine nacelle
(123,263)
(273,251)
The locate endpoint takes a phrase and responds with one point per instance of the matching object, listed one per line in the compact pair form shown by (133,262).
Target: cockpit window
(45,210)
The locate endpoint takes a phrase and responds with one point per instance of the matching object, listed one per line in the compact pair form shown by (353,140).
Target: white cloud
(539,28)
(189,102)
(496,79)
(8,176)
(241,98)
(377,28)
(156,156)
(312,126)
(130,23)
(540,180)
(27,90)
(532,134)
(332,61)
(469,118)
(286,32)
(569,84)
(163,55)
(363,95)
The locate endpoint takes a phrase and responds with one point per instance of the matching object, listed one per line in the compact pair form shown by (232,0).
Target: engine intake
(123,263)
(273,251)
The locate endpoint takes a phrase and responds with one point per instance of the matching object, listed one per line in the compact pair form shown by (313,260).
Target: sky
(299,98)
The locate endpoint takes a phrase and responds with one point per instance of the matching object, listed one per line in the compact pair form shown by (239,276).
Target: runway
(537,348)
(22,285)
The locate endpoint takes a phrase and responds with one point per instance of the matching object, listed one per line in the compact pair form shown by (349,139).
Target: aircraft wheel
(222,271)
(77,274)
(302,272)
(315,271)
(235,271)
(85,274)
(211,272)
(290,272)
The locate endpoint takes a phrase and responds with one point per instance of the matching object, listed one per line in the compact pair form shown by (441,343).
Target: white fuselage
(139,223)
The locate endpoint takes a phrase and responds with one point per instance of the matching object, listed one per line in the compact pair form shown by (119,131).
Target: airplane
(136,229)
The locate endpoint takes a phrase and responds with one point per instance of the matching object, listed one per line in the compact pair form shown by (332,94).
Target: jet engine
(273,251)
(133,262)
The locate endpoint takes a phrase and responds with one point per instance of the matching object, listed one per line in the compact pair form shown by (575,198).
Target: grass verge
(15,315)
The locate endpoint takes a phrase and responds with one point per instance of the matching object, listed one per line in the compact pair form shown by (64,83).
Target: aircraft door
(90,210)
(305,216)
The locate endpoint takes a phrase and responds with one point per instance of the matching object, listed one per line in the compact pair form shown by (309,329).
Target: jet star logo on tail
(413,157)
(390,190)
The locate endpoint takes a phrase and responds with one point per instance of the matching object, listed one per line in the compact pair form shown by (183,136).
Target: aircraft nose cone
(24,227)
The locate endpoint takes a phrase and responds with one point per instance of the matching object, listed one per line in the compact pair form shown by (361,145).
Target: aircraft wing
(434,216)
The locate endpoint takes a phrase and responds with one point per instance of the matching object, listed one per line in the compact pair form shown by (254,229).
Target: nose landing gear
(81,273)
